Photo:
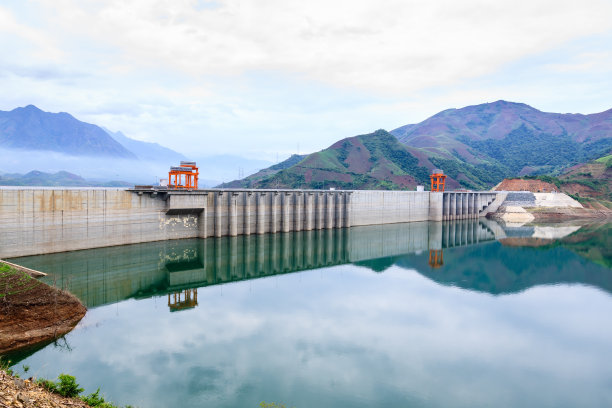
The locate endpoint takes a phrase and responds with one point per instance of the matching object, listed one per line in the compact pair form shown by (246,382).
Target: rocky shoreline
(19,393)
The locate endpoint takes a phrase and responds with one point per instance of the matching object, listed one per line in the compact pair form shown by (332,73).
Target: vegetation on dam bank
(42,393)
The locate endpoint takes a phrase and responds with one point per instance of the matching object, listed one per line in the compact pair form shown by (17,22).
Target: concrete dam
(47,220)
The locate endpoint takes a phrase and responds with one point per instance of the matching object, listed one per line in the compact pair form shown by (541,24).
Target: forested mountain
(507,139)
(476,146)
(372,161)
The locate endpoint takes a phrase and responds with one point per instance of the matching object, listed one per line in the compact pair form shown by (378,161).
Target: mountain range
(30,128)
(61,178)
(34,140)
(476,146)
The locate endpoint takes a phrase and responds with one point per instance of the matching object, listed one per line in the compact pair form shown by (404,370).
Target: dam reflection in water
(106,275)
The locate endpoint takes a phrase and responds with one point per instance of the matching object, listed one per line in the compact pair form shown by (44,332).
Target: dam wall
(47,220)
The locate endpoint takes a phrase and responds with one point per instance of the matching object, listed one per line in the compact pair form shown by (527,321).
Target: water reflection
(462,253)
(186,299)
(107,275)
(344,336)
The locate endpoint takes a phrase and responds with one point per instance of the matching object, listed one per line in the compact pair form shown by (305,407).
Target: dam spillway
(46,220)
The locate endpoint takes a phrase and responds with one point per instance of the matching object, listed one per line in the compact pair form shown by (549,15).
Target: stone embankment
(33,312)
(526,206)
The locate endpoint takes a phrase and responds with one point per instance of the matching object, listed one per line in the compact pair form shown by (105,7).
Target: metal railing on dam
(46,220)
(106,275)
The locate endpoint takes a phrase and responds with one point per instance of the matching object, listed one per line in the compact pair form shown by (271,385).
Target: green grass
(605,159)
(68,387)
(20,281)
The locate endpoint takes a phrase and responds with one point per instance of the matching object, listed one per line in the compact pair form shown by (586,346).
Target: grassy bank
(65,392)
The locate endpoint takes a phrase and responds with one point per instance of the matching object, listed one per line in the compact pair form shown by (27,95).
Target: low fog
(213,170)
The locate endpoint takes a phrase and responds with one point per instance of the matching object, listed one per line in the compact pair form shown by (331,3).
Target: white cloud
(395,46)
(259,78)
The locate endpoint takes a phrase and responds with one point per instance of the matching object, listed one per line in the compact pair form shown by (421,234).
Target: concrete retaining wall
(42,220)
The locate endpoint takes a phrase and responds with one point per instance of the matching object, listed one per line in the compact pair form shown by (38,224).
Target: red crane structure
(183,177)
(437,180)
(436,258)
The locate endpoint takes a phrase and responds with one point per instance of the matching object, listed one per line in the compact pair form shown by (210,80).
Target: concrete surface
(44,220)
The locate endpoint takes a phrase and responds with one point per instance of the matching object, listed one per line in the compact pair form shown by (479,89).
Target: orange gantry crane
(186,299)
(437,180)
(184,177)
(436,258)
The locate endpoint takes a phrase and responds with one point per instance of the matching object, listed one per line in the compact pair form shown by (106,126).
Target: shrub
(68,386)
(5,365)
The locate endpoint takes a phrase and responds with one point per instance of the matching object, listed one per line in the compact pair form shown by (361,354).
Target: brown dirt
(525,242)
(15,392)
(581,189)
(560,214)
(535,186)
(32,312)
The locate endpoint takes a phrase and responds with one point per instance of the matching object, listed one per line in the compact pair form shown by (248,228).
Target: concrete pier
(47,220)
(459,205)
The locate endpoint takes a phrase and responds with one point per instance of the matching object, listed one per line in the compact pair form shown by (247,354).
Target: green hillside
(253,179)
(505,139)
(476,146)
(372,161)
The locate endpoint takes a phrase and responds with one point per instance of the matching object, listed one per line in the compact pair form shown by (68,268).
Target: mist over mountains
(30,128)
(32,140)
(477,146)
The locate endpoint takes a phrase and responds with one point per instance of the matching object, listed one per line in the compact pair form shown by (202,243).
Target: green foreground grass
(66,386)
(14,281)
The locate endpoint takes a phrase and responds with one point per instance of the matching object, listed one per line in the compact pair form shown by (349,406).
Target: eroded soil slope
(32,312)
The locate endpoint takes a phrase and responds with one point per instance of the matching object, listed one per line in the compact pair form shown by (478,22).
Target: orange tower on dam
(437,180)
(184,177)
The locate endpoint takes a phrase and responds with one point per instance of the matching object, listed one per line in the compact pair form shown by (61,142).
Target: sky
(269,78)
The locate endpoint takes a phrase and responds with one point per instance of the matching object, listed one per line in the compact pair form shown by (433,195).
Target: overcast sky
(267,77)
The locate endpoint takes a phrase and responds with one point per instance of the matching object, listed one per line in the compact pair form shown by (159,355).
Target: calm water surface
(465,314)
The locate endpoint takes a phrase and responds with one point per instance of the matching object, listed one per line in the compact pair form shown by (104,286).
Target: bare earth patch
(32,312)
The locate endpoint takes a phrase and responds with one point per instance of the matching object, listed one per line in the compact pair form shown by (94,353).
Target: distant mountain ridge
(61,178)
(497,119)
(476,146)
(146,150)
(514,138)
(30,128)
